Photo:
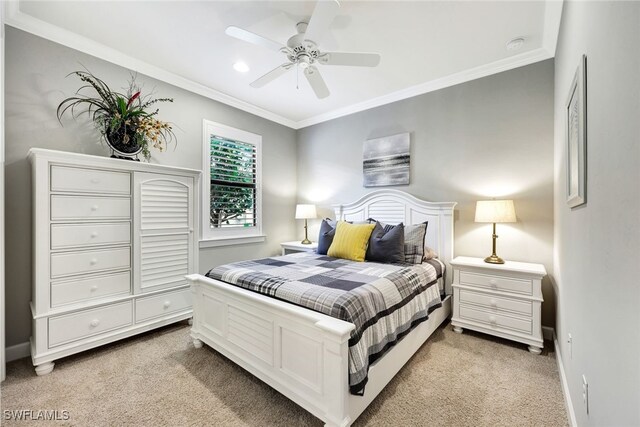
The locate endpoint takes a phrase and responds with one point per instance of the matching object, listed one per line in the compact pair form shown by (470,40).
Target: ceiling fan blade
(316,81)
(272,75)
(322,17)
(253,38)
(350,58)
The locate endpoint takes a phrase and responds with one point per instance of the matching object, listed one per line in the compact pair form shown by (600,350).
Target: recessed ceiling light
(515,44)
(241,67)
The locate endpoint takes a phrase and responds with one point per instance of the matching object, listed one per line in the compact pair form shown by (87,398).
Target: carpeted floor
(160,379)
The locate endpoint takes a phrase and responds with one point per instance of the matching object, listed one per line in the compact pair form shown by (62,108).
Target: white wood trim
(25,22)
(228,236)
(214,243)
(18,351)
(495,67)
(551,29)
(30,24)
(571,415)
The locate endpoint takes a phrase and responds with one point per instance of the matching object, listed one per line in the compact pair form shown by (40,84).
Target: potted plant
(122,119)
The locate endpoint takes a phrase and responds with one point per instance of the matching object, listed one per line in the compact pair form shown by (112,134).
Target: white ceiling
(424,46)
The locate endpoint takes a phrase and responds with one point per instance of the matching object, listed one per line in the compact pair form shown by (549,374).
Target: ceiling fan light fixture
(241,67)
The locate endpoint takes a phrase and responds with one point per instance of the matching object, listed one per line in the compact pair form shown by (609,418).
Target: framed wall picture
(576,135)
(386,161)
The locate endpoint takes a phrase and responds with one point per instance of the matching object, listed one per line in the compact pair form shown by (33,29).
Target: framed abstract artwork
(386,161)
(576,136)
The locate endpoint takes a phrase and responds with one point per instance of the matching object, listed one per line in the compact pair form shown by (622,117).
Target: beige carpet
(161,379)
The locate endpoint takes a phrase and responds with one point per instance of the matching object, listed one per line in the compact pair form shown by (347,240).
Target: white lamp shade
(495,211)
(306,212)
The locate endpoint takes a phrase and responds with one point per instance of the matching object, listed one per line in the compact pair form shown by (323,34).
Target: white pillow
(429,253)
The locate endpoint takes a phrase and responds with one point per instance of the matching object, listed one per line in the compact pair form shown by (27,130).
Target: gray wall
(596,245)
(491,137)
(35,85)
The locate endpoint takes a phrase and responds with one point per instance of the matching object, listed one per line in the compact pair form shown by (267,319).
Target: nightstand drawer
(496,303)
(499,283)
(496,320)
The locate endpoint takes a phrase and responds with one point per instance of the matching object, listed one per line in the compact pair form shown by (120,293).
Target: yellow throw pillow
(350,241)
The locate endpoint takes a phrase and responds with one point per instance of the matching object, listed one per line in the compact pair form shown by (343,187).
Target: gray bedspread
(383,301)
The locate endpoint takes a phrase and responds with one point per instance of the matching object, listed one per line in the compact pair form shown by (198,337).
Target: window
(231,208)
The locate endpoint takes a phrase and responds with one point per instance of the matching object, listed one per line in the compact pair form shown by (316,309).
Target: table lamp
(494,211)
(306,212)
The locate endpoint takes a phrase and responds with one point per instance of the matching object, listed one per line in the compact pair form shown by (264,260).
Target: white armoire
(112,242)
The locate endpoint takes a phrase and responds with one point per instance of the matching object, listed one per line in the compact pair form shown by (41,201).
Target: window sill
(229,241)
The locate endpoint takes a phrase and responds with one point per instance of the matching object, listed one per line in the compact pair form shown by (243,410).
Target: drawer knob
(94,323)
(95,181)
(94,288)
(493,303)
(492,320)
(493,282)
(94,234)
(167,304)
(93,261)
(94,208)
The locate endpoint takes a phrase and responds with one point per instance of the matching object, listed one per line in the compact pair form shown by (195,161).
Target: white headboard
(394,207)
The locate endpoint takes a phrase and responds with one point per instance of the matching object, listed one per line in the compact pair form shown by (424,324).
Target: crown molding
(506,64)
(552,16)
(22,21)
(551,28)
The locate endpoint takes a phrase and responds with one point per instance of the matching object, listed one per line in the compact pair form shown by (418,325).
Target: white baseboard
(18,351)
(548,333)
(571,415)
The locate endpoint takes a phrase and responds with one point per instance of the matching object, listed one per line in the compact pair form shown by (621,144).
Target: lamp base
(494,259)
(306,242)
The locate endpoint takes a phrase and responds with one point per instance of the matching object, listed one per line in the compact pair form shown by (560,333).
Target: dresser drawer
(83,324)
(72,235)
(80,180)
(68,263)
(500,283)
(163,304)
(496,320)
(74,291)
(494,302)
(87,208)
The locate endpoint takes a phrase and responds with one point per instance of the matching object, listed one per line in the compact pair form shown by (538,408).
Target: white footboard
(301,353)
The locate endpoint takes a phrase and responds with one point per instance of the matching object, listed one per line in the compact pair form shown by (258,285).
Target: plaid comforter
(383,301)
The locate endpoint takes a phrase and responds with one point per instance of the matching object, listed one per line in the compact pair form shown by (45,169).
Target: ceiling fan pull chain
(297,77)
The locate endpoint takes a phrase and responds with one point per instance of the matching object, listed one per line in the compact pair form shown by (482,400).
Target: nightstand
(291,247)
(504,300)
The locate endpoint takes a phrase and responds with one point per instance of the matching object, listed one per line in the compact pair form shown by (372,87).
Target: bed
(302,353)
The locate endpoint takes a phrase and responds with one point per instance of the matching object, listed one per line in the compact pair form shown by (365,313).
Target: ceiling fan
(302,49)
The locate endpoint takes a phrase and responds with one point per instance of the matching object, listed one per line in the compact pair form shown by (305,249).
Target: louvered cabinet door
(164,237)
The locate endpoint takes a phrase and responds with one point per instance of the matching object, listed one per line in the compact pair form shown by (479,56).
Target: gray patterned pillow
(414,236)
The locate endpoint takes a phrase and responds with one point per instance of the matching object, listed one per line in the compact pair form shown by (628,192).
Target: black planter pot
(122,143)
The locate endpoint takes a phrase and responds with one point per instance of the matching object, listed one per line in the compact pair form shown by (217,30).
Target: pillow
(414,237)
(325,237)
(386,244)
(350,241)
(429,253)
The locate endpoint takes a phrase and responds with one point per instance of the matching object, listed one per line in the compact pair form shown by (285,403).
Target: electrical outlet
(585,393)
(570,342)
